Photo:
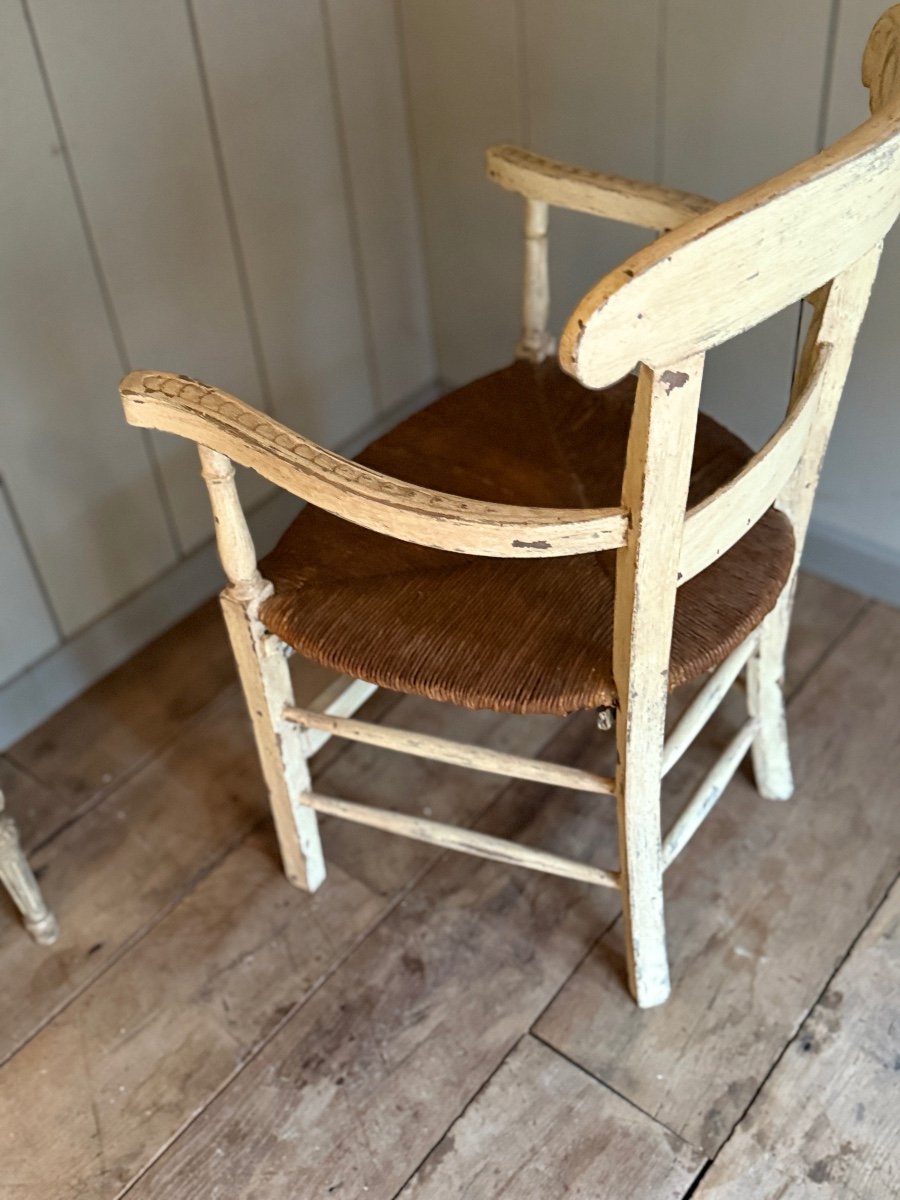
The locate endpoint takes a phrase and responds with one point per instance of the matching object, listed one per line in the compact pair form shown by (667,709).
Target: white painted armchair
(548,540)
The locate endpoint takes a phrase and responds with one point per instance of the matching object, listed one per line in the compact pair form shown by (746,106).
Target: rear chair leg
(638,791)
(765,699)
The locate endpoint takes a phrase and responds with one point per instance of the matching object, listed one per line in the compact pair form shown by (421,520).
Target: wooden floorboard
(202,1028)
(542,1128)
(385,1055)
(760,908)
(827,1123)
(167,1025)
(33,805)
(823,613)
(126,862)
(128,717)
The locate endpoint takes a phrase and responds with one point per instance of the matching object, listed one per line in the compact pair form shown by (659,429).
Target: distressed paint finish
(262,666)
(19,881)
(721,270)
(657,473)
(233,428)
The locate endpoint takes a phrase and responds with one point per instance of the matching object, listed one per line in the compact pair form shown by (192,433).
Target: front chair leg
(765,699)
(266,681)
(19,881)
(265,678)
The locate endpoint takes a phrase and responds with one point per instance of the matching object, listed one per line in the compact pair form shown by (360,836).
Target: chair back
(813,232)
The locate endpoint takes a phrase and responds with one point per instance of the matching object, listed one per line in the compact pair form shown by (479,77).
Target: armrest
(611,196)
(176,404)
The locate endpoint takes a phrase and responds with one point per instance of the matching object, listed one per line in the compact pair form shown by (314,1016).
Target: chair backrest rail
(713,526)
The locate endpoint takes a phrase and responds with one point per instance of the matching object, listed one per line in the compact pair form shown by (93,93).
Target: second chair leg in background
(18,878)
(765,699)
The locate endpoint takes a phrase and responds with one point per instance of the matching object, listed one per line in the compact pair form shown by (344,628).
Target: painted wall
(287,198)
(219,188)
(707,95)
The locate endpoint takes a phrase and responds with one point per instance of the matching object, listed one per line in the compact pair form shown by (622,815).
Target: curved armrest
(212,418)
(611,196)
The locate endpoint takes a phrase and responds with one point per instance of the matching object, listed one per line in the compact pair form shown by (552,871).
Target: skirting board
(853,561)
(65,672)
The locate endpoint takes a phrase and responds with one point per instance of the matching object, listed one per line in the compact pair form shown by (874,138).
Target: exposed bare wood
(827,1122)
(84,752)
(541,1119)
(207,985)
(761,905)
(705,703)
(552,182)
(714,784)
(110,875)
(757,253)
(451,837)
(399,1039)
(228,425)
(881,62)
(180,1014)
(478,758)
(657,473)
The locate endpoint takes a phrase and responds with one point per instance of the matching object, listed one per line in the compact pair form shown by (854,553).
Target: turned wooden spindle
(536,344)
(262,665)
(18,879)
(236,550)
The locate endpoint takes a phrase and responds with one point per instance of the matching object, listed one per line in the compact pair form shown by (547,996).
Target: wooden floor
(431,1026)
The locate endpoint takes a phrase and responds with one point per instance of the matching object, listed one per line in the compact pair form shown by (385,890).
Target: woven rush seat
(510,634)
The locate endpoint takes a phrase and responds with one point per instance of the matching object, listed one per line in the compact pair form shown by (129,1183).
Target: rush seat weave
(510,634)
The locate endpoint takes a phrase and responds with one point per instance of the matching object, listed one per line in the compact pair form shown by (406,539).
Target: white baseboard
(853,561)
(65,672)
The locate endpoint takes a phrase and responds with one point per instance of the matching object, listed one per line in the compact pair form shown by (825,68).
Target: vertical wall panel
(742,99)
(373,114)
(26,630)
(465,88)
(80,479)
(125,79)
(268,76)
(860,494)
(586,103)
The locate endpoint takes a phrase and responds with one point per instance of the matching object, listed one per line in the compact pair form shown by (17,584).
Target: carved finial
(881,61)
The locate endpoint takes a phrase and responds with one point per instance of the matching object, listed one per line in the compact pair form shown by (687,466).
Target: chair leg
(262,666)
(19,881)
(765,699)
(638,789)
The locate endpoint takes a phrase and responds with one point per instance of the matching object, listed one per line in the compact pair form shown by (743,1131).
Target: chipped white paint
(262,666)
(459,754)
(815,229)
(468,841)
(18,879)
